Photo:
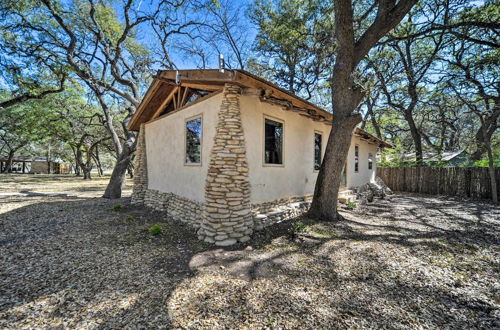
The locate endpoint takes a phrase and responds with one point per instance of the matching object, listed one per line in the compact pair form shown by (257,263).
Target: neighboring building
(447,158)
(36,165)
(222,149)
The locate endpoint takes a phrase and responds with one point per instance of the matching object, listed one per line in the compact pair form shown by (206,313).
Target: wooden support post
(186,90)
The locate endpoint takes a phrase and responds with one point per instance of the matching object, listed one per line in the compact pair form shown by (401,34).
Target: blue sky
(186,62)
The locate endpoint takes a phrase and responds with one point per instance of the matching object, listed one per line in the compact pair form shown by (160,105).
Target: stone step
(347,198)
(346,192)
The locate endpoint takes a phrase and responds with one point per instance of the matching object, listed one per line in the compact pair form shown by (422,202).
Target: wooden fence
(471,182)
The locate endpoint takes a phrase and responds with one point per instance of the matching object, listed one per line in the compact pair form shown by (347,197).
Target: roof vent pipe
(221,63)
(177,77)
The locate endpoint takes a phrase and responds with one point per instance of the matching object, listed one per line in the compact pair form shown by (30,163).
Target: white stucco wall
(165,149)
(166,152)
(297,176)
(364,175)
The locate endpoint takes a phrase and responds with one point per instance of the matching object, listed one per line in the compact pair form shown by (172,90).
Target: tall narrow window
(193,141)
(317,151)
(273,142)
(370,161)
(343,181)
(356,159)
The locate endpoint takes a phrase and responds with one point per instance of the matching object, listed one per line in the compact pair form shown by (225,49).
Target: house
(36,165)
(447,158)
(230,152)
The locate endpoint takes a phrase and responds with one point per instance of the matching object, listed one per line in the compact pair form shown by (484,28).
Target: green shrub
(117,207)
(297,227)
(129,218)
(155,229)
(351,205)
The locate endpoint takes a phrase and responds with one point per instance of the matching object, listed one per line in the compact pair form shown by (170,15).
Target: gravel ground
(408,262)
(28,183)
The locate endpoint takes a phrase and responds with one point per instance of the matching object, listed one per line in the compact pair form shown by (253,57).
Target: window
(370,161)
(273,142)
(193,141)
(343,181)
(317,151)
(356,159)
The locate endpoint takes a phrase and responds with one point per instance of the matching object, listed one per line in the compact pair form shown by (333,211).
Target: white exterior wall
(297,176)
(165,149)
(364,175)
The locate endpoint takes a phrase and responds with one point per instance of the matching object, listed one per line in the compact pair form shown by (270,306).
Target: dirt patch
(39,183)
(414,261)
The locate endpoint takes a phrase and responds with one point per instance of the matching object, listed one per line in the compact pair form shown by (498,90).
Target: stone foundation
(176,207)
(141,169)
(227,216)
(268,213)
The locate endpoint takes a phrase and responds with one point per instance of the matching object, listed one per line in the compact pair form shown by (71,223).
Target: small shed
(36,165)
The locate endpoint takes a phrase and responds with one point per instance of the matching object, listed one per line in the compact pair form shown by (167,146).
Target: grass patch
(155,230)
(129,219)
(351,205)
(322,230)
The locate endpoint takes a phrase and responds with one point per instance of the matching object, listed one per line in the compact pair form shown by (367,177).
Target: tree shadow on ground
(74,262)
(403,269)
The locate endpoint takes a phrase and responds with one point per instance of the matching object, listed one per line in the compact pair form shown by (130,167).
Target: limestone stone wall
(268,213)
(141,169)
(227,216)
(267,207)
(174,206)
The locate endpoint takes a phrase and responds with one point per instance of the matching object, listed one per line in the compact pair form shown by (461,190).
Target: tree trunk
(97,159)
(117,180)
(485,132)
(86,168)
(346,97)
(77,170)
(8,164)
(130,169)
(417,139)
(86,172)
(324,204)
(491,170)
(375,125)
(77,164)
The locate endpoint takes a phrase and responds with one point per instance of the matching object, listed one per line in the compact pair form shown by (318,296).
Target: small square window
(273,142)
(317,150)
(193,141)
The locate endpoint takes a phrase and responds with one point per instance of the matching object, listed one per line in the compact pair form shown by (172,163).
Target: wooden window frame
(278,120)
(186,120)
(314,149)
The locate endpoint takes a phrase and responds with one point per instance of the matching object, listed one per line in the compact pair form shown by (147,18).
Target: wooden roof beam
(159,110)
